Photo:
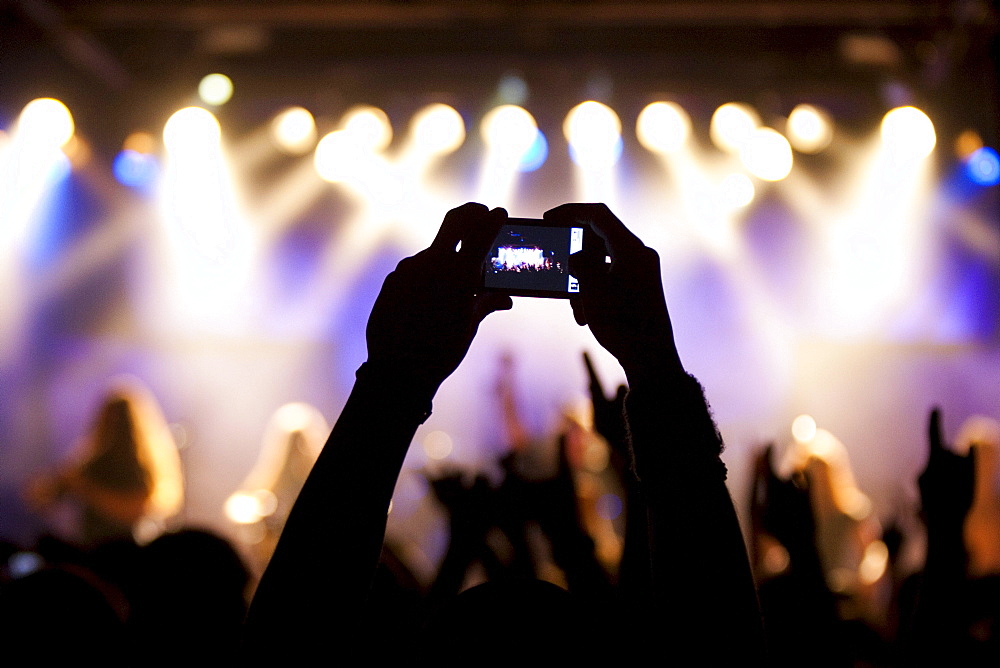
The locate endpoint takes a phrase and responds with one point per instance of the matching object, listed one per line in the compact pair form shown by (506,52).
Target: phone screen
(531,259)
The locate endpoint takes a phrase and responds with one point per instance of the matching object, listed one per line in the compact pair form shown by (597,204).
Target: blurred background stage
(223,238)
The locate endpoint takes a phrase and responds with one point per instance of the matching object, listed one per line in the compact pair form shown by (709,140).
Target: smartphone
(530,258)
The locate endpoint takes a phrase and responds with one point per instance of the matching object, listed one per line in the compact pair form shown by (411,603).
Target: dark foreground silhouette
(686,591)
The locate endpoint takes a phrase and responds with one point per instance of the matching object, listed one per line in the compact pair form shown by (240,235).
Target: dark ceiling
(122,64)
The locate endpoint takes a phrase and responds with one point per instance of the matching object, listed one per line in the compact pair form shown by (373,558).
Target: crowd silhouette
(530,571)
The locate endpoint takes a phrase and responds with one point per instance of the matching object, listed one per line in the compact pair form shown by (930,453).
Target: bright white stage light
(594,134)
(663,127)
(215,89)
(336,156)
(767,155)
(809,129)
(509,131)
(294,130)
(438,128)
(732,125)
(736,191)
(908,134)
(32,163)
(45,124)
(370,127)
(191,130)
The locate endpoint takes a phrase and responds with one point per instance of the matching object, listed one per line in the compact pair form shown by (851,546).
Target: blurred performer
(847,531)
(292,442)
(124,476)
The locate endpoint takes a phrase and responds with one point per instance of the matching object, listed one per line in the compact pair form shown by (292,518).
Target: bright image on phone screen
(534,258)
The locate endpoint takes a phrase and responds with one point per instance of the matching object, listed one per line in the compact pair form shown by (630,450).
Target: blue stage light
(983,166)
(135,170)
(536,154)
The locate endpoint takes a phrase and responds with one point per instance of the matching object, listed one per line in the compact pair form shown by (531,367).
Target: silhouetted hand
(463,502)
(609,414)
(947,482)
(623,301)
(427,313)
(782,507)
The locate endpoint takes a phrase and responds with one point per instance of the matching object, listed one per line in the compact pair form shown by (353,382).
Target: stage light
(140,142)
(732,125)
(767,155)
(809,129)
(983,166)
(33,163)
(736,191)
(438,129)
(135,170)
(536,155)
(512,89)
(370,126)
(804,428)
(967,143)
(908,134)
(509,131)
(336,155)
(215,89)
(663,127)
(294,130)
(44,124)
(594,134)
(191,130)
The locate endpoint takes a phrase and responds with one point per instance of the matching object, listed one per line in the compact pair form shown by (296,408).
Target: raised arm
(420,329)
(937,633)
(702,598)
